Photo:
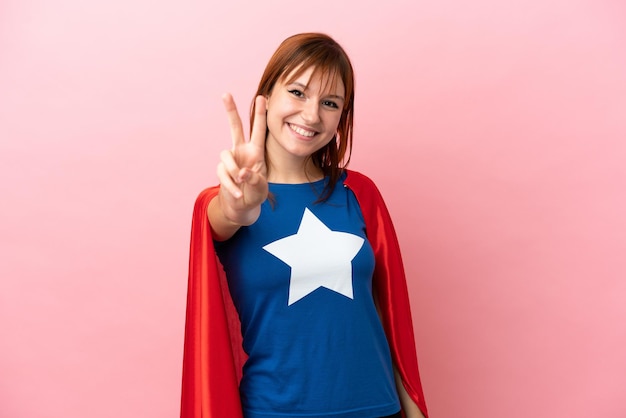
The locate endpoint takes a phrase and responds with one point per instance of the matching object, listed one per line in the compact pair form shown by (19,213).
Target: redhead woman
(297,302)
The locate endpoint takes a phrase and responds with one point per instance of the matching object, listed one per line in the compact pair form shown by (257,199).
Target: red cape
(213,357)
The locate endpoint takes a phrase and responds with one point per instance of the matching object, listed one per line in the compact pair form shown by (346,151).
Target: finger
(230,165)
(227,183)
(234,121)
(251,177)
(259,129)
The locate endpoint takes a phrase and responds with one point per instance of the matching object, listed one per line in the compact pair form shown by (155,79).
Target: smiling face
(302,116)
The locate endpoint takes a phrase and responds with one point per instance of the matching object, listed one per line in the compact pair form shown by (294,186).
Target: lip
(305,128)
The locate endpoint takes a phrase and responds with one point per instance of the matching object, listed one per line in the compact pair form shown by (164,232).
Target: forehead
(327,81)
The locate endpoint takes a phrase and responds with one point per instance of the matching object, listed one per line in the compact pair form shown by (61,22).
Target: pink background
(496,131)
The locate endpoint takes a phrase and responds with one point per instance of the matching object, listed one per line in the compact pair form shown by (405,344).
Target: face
(302,116)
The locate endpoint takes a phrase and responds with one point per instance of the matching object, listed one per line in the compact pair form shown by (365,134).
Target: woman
(310,265)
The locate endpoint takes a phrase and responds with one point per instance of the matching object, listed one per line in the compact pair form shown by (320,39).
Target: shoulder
(208,192)
(372,204)
(357,182)
(358,178)
(367,193)
(205,196)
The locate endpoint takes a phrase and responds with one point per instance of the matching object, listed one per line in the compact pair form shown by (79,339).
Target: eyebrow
(331,96)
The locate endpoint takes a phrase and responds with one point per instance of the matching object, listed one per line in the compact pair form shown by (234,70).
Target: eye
(330,104)
(296,92)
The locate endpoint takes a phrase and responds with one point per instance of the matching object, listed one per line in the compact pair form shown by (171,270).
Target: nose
(310,112)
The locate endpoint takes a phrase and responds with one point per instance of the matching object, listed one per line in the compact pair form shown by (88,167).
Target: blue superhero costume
(301,280)
(213,356)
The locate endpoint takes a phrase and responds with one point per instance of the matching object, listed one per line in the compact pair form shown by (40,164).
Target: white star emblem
(318,257)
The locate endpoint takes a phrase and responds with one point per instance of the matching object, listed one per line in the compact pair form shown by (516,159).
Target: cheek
(274,118)
(334,122)
(279,109)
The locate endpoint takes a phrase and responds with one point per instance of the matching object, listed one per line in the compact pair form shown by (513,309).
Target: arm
(410,408)
(390,289)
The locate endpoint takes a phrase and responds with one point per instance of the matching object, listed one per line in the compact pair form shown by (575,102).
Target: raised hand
(242,170)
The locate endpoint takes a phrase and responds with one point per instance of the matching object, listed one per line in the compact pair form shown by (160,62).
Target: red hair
(293,57)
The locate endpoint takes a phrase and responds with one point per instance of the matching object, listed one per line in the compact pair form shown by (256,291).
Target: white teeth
(301,131)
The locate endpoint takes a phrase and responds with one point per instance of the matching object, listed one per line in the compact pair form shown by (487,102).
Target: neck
(302,172)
